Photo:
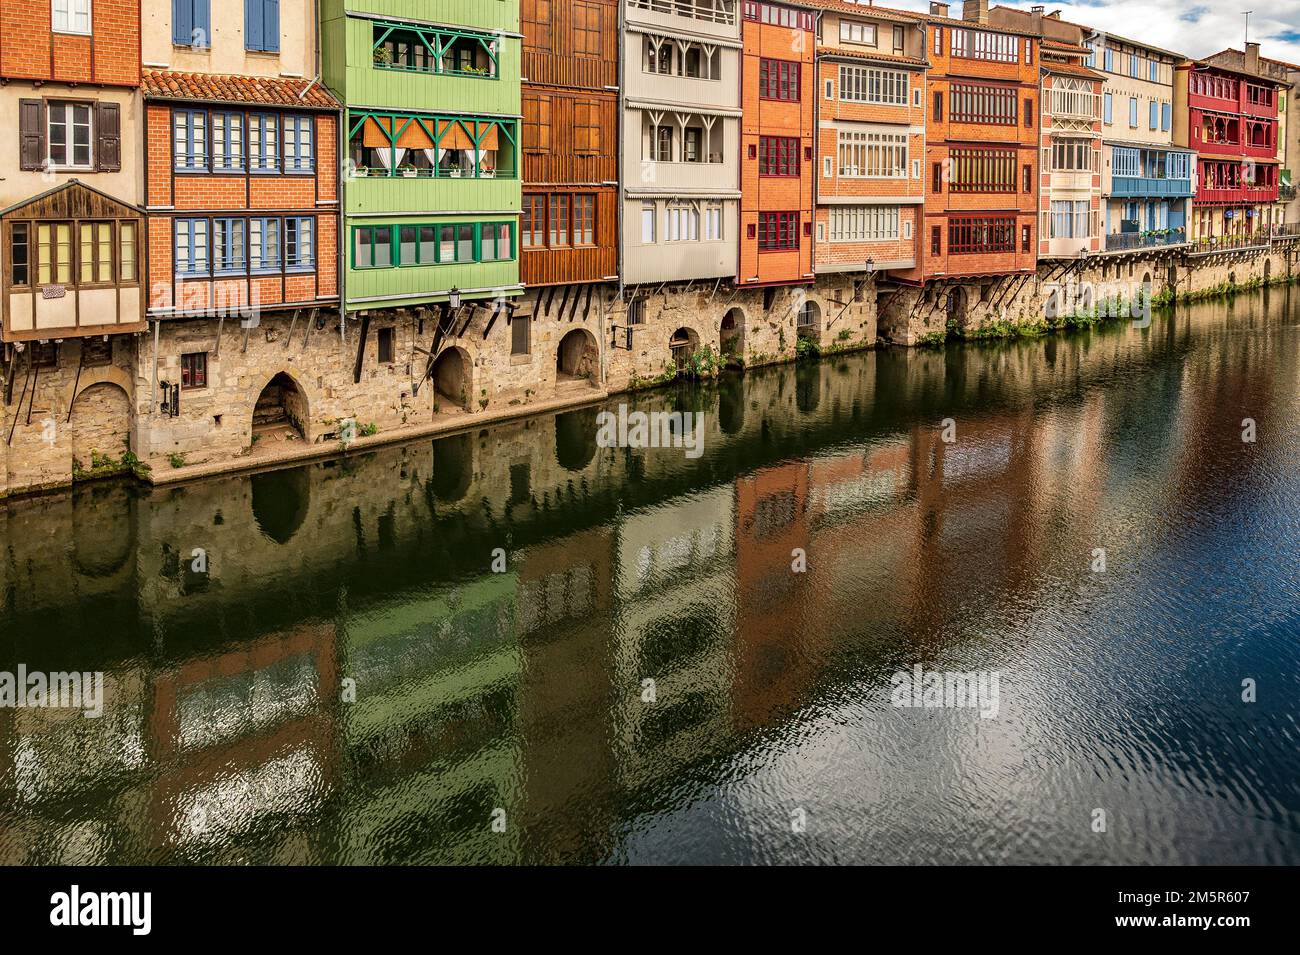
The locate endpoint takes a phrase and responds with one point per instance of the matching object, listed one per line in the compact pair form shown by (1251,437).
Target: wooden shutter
(31,138)
(108,137)
(253,26)
(271,25)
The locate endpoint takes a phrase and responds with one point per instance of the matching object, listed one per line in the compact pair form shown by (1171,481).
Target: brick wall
(30,49)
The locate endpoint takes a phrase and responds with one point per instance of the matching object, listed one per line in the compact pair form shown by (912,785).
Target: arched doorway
(100,424)
(452,380)
(683,345)
(809,320)
(577,359)
(957,314)
(280,414)
(732,335)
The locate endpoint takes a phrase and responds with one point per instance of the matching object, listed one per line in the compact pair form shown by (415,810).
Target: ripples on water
(225,738)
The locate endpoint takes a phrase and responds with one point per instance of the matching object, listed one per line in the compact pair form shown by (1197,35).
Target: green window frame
(421,244)
(427,48)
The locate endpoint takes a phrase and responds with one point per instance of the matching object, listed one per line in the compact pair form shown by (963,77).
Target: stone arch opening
(452,379)
(575,438)
(808,322)
(958,314)
(683,344)
(100,424)
(732,334)
(453,467)
(280,413)
(577,358)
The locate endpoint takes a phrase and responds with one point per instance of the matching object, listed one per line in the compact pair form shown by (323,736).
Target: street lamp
(871,265)
(453,297)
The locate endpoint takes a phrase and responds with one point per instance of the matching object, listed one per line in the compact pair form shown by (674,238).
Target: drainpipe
(622,179)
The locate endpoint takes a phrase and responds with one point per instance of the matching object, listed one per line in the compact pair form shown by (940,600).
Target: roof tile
(219,88)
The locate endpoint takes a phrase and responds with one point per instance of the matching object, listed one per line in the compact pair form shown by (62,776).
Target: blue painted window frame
(259,155)
(295,227)
(193,160)
(264,227)
(191,264)
(299,144)
(225,161)
(1108,107)
(1166,116)
(231,226)
(1133,112)
(1153,120)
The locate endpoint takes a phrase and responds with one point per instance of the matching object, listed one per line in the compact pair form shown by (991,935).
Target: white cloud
(1194,27)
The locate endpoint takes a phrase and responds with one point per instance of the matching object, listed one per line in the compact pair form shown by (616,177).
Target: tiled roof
(1071,69)
(972,25)
(864,10)
(1050,44)
(837,51)
(216,88)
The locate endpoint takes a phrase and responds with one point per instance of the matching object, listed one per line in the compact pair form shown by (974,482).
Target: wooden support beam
(361,347)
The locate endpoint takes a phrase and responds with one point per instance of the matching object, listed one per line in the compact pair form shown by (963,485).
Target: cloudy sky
(1194,27)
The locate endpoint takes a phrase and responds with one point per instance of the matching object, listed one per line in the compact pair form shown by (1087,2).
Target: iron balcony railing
(1226,243)
(1127,241)
(720,11)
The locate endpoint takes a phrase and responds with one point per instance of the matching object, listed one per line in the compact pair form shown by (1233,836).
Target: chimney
(1036,19)
(1252,57)
(976,11)
(938,9)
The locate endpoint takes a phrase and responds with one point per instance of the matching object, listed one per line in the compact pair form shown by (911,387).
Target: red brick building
(778,97)
(241,183)
(982,145)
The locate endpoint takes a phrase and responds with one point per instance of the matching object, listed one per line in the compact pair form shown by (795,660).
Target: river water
(322,664)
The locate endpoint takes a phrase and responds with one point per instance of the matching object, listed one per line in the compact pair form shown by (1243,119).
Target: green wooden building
(431,191)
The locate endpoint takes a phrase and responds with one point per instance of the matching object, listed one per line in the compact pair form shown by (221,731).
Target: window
(863,223)
(852,31)
(191,247)
(385,343)
(1027,177)
(20,254)
(228,245)
(984,45)
(872,155)
(300,242)
(778,79)
(938,41)
(191,24)
(1153,71)
(662,144)
(692,139)
(938,106)
(372,247)
(190,139)
(194,370)
(983,104)
(264,142)
(978,234)
(1072,155)
(683,222)
(898,40)
(261,25)
(862,84)
(299,155)
(559,221)
(936,178)
(1025,238)
(70,135)
(520,340)
(1110,61)
(584,219)
(778,231)
(263,244)
(648,223)
(979,169)
(1108,108)
(1166,117)
(1133,112)
(533,222)
(227,142)
(95,255)
(713,222)
(537,123)
(71,16)
(935,240)
(586,127)
(126,252)
(780,16)
(496,242)
(1029,113)
(778,156)
(586,28)
(1069,219)
(1154,118)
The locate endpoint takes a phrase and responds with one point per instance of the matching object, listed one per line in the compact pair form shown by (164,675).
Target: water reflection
(353,681)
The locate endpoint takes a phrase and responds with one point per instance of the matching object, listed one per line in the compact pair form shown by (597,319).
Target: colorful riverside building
(1147,180)
(778,98)
(72,285)
(569,230)
(681,141)
(1288,131)
(1070,180)
(1230,117)
(431,135)
(869,178)
(982,143)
